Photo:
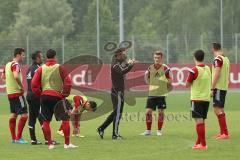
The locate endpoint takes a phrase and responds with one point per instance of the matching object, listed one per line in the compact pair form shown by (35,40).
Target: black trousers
(34,108)
(116,115)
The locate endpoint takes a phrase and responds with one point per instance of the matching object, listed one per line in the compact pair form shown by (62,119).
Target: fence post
(27,41)
(167,48)
(133,47)
(98,32)
(236,48)
(201,41)
(63,49)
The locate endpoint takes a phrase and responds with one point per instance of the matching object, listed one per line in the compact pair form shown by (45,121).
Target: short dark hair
(199,55)
(119,50)
(51,53)
(93,105)
(18,51)
(216,46)
(35,55)
(159,53)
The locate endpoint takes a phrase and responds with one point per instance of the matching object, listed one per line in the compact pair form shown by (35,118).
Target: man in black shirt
(119,68)
(33,100)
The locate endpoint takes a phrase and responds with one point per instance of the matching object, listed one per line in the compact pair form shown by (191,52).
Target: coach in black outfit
(119,68)
(34,101)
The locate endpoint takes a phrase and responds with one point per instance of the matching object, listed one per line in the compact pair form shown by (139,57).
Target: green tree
(44,22)
(79,8)
(108,28)
(7,10)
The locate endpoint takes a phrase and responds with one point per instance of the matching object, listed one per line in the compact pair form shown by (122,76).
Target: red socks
(76,121)
(64,126)
(61,127)
(160,121)
(66,131)
(222,123)
(12,127)
(149,121)
(47,131)
(200,128)
(21,125)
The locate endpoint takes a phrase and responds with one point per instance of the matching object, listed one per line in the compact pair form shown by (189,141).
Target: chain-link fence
(176,48)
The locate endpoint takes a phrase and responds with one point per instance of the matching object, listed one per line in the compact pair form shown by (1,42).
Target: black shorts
(47,106)
(199,109)
(156,102)
(18,105)
(219,98)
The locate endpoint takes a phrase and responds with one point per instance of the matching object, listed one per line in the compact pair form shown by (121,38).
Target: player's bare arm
(17,78)
(216,77)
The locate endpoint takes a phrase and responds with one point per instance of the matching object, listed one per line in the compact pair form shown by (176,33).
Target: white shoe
(81,136)
(78,135)
(159,133)
(51,146)
(60,133)
(146,133)
(70,146)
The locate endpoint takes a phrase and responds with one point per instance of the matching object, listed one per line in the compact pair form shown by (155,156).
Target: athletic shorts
(219,98)
(199,109)
(156,102)
(18,105)
(47,106)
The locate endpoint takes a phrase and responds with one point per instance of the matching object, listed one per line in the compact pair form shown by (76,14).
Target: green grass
(175,144)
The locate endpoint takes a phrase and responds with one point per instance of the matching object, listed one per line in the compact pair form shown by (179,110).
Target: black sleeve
(35,67)
(120,69)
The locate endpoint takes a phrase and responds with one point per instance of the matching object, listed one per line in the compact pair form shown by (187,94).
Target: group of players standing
(47,84)
(43,94)
(204,84)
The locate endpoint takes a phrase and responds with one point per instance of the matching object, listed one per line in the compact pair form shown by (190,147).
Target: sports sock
(76,121)
(12,127)
(149,121)
(47,131)
(222,123)
(198,138)
(201,133)
(21,125)
(61,127)
(66,131)
(160,121)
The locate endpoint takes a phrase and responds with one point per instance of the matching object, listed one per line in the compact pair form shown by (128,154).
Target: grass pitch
(175,143)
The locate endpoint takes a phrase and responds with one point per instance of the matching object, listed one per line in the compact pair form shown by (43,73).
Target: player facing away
(13,77)
(33,100)
(159,79)
(199,79)
(220,79)
(52,83)
(80,104)
(119,68)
